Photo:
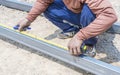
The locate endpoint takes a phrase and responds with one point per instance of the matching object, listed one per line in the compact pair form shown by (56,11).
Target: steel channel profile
(26,7)
(86,63)
(115,28)
(16,4)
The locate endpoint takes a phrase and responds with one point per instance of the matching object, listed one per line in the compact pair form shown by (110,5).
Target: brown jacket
(105,14)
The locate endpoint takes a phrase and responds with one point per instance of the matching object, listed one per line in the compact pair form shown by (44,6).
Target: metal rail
(26,7)
(115,28)
(86,63)
(16,4)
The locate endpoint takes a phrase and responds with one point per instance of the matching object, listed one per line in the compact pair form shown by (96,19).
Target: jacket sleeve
(105,17)
(39,7)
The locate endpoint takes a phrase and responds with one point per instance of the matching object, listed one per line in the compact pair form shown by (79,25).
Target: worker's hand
(23,24)
(74,46)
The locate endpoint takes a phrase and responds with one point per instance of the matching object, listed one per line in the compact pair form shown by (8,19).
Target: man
(81,19)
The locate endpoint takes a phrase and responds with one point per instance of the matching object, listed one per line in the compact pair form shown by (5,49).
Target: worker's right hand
(74,46)
(23,24)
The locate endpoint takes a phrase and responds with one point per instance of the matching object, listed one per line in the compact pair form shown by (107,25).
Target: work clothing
(68,21)
(105,14)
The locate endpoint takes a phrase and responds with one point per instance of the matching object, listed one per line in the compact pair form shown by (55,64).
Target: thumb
(23,24)
(20,28)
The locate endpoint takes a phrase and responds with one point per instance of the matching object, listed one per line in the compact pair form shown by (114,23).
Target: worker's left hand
(74,46)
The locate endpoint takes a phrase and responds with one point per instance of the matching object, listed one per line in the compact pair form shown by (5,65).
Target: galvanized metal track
(86,63)
(16,4)
(115,28)
(26,7)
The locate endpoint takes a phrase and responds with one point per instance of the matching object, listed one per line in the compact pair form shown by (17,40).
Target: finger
(78,51)
(71,51)
(68,47)
(75,51)
(20,28)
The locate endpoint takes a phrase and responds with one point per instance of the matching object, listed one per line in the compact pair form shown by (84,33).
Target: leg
(57,13)
(85,19)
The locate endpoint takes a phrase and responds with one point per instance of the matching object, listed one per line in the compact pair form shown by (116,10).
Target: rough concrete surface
(17,61)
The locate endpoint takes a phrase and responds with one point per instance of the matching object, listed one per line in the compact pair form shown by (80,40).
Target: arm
(39,7)
(105,17)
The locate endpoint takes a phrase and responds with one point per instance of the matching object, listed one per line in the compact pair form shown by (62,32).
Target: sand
(17,61)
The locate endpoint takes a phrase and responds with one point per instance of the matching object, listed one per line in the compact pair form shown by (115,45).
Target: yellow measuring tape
(35,37)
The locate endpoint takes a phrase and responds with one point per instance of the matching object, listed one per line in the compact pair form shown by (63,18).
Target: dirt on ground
(16,61)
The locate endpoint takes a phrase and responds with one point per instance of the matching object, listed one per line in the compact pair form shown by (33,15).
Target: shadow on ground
(107,46)
(54,35)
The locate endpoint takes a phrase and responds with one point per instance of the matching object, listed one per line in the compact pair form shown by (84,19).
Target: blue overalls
(62,17)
